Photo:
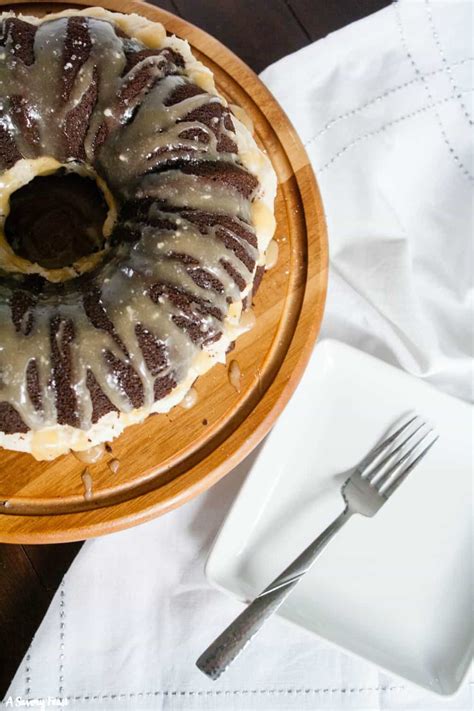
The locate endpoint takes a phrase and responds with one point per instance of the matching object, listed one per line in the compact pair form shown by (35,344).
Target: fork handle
(222,652)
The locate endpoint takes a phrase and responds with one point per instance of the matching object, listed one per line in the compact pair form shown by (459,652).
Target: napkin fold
(384,108)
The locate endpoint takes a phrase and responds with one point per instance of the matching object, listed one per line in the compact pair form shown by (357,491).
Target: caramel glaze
(182,250)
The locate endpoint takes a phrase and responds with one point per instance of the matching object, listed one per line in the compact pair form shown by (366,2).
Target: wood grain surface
(29,575)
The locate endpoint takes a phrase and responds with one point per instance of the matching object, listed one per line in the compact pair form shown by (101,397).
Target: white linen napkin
(384,108)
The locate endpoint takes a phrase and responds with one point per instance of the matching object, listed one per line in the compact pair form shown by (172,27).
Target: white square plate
(395,589)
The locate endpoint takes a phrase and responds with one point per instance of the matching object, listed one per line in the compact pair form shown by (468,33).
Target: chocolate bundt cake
(101,326)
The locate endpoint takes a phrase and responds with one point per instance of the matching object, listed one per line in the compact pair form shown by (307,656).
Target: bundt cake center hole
(57,219)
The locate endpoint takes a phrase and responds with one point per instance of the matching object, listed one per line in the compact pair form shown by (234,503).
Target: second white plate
(396,589)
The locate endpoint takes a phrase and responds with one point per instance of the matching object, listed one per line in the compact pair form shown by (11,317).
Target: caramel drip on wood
(92,455)
(88,484)
(235,375)
(114,465)
(271,255)
(190,399)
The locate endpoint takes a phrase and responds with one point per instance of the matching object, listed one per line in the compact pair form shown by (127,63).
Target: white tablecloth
(384,108)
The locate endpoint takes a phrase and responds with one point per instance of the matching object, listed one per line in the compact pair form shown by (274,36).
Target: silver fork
(366,490)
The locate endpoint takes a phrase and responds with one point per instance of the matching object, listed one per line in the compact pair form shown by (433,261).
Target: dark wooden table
(260,32)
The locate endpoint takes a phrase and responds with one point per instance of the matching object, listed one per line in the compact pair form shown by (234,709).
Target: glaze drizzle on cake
(90,347)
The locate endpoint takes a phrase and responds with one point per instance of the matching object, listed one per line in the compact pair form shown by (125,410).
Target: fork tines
(388,472)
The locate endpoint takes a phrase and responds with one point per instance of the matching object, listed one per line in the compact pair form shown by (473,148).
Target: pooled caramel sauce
(136,162)
(242,116)
(247,321)
(271,255)
(114,465)
(235,375)
(88,484)
(190,399)
(92,455)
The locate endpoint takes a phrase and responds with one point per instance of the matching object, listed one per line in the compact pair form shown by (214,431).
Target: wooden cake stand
(170,458)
